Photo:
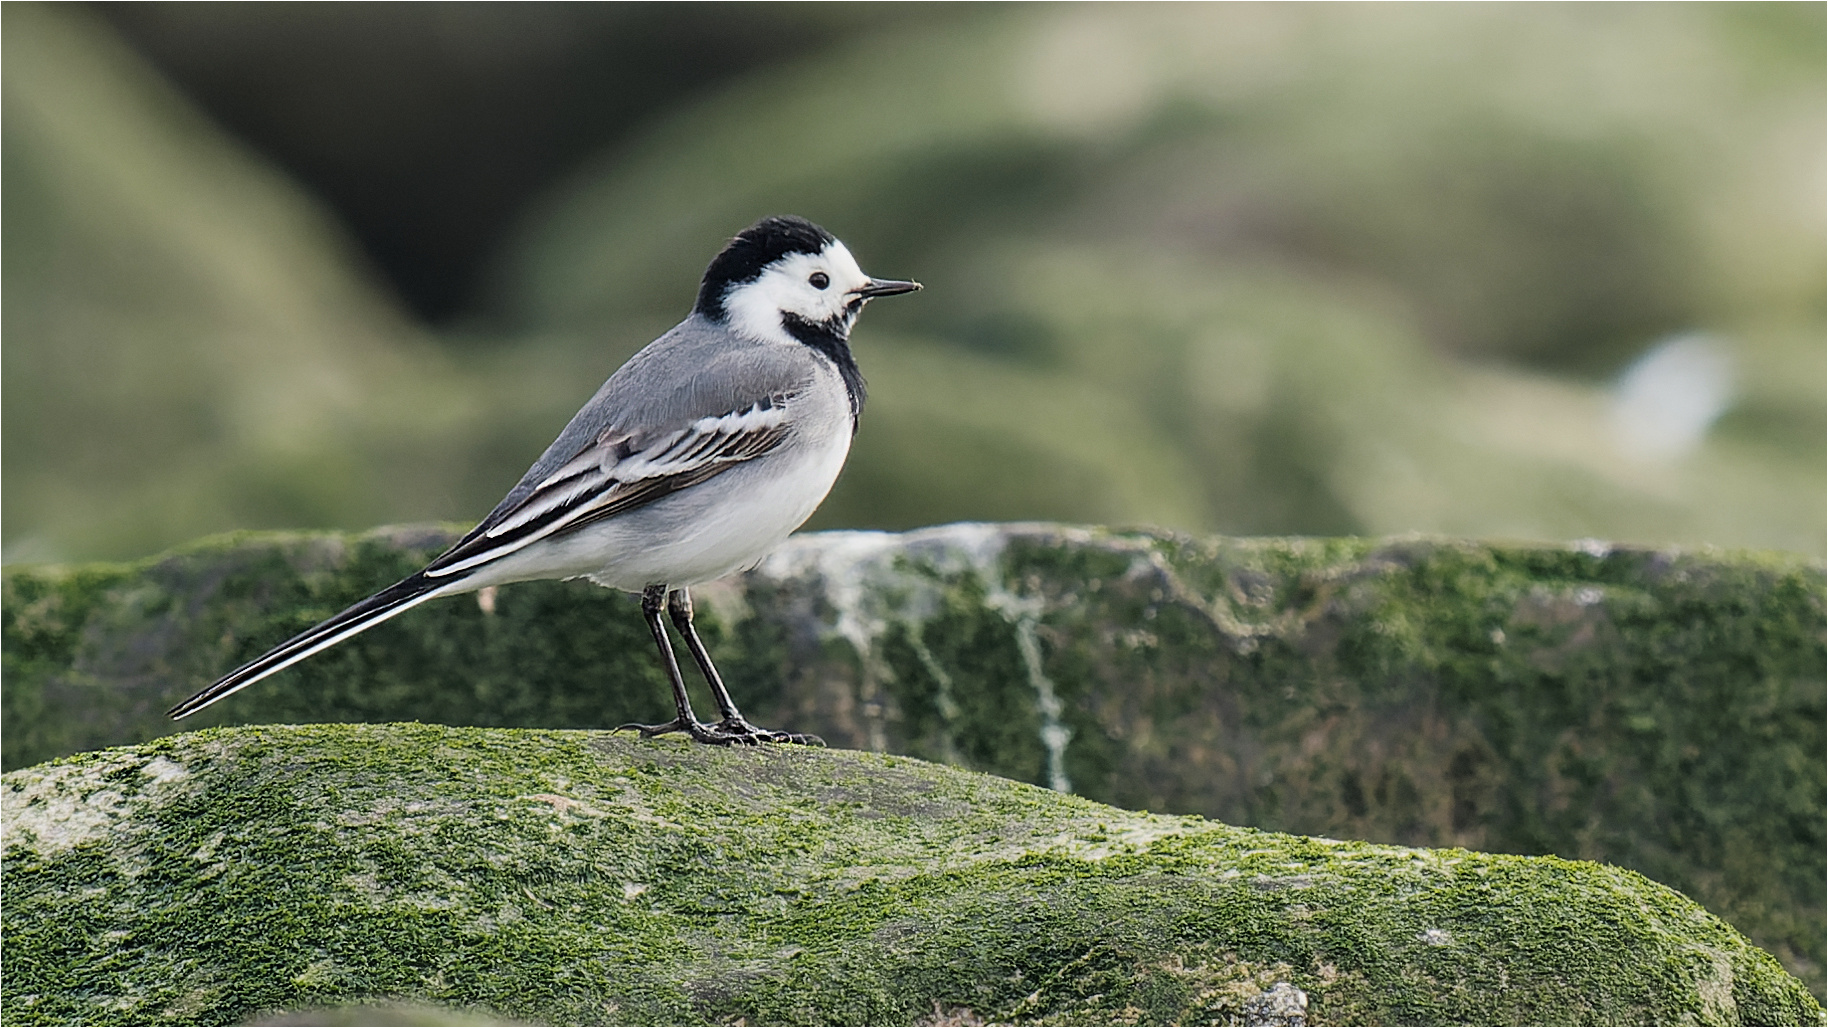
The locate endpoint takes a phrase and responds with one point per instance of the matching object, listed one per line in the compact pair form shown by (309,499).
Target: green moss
(584,877)
(1660,710)
(1656,709)
(95,654)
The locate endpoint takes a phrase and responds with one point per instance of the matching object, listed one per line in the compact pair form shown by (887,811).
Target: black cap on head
(753,249)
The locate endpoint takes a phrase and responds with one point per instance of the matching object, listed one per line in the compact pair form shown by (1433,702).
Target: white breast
(740,524)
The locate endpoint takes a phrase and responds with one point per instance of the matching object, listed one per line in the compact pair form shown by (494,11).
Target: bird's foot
(698,730)
(739,730)
(728,732)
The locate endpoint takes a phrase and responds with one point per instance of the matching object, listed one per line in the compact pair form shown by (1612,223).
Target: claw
(698,730)
(728,732)
(740,730)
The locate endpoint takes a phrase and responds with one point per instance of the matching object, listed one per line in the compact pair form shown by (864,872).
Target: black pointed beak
(884,287)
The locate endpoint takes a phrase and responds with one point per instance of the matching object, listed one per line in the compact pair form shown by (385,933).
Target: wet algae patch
(569,876)
(1657,709)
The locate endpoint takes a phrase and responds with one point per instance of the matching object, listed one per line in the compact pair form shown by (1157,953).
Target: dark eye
(819,280)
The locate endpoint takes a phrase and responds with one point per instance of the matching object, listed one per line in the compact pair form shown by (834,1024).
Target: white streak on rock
(869,578)
(942,695)
(1054,734)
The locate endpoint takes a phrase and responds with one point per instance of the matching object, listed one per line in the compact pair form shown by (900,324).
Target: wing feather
(615,473)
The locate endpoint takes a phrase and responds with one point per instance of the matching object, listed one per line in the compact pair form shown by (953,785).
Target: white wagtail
(694,460)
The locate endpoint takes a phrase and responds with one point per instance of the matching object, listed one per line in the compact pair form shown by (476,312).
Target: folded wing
(616,472)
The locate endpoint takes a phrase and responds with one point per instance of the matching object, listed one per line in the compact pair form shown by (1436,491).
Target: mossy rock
(1657,709)
(569,876)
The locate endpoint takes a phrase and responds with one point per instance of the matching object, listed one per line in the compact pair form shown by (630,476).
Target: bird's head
(785,278)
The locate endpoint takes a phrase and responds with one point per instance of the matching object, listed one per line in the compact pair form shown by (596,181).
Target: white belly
(705,532)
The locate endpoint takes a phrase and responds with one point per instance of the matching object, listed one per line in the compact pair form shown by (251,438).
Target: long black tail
(366,614)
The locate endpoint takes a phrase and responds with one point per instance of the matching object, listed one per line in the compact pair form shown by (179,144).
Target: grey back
(697,369)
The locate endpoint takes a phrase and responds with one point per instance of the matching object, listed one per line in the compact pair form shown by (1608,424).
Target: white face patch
(789,286)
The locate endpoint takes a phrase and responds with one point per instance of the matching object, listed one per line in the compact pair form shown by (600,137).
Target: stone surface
(1282,1004)
(1661,710)
(583,877)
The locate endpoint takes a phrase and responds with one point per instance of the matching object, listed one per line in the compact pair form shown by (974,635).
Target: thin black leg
(679,608)
(652,599)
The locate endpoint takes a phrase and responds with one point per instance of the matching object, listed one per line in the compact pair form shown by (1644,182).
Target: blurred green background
(1521,271)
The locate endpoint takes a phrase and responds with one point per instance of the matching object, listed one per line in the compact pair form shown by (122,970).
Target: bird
(693,460)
